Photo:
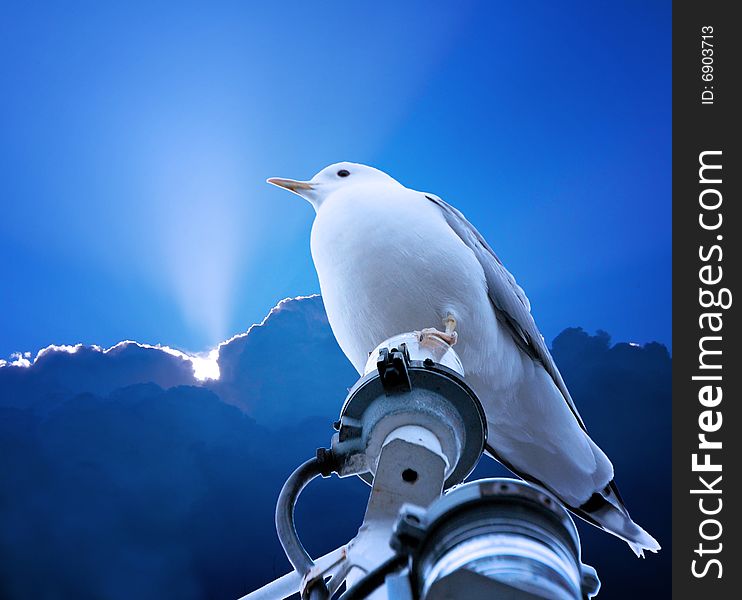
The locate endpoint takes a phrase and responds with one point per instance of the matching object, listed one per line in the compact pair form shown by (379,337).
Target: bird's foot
(431,332)
(449,335)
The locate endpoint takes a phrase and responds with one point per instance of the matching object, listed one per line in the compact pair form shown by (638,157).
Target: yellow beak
(291,184)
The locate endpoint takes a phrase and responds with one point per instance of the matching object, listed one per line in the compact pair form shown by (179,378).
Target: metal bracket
(392,366)
(393,487)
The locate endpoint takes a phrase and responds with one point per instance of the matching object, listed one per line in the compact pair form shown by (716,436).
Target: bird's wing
(509,300)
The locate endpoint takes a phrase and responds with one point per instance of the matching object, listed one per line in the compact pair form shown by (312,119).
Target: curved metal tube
(286,527)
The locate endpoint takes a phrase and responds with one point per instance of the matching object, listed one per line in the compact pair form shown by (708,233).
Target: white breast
(388,263)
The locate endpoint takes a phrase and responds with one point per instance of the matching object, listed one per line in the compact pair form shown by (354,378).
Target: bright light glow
(198,207)
(206,367)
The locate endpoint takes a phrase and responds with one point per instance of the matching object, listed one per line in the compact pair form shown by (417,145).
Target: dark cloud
(263,372)
(59,373)
(121,476)
(302,371)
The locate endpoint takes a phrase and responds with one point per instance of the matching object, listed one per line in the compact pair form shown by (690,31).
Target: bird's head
(337,177)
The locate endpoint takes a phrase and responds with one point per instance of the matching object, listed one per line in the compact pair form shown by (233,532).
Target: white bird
(391,259)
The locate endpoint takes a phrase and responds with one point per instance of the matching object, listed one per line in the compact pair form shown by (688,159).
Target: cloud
(58,373)
(287,367)
(124,475)
(17,359)
(262,371)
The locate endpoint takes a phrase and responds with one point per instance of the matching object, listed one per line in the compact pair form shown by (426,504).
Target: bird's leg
(449,335)
(450,323)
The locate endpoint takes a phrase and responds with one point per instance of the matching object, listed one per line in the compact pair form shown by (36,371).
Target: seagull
(391,259)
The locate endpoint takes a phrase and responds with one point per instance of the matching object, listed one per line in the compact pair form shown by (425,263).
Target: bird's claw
(430,332)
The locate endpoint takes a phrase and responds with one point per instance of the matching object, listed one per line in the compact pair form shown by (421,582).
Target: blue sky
(136,141)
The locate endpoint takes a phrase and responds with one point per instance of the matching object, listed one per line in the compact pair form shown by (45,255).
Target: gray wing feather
(509,300)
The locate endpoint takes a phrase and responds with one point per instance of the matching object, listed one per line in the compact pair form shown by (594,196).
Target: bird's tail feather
(606,510)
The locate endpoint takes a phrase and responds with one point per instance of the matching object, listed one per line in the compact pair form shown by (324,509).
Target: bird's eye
(343,173)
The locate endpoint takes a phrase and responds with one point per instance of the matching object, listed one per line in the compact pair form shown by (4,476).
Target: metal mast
(413,430)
